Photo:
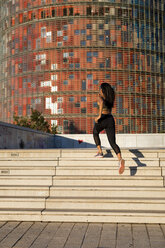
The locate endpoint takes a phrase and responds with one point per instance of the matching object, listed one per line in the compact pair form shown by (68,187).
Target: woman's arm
(100,109)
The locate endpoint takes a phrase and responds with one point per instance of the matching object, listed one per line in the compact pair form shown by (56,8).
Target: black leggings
(106,122)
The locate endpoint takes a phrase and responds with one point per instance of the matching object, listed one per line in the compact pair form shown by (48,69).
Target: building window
(101,37)
(65,38)
(43,32)
(83,85)
(83,110)
(101,26)
(96,82)
(71,66)
(65,82)
(65,125)
(89,59)
(77,65)
(89,37)
(101,65)
(83,43)
(59,33)
(89,76)
(59,99)
(53,13)
(95,54)
(89,26)
(89,11)
(95,105)
(77,31)
(71,76)
(71,11)
(83,31)
(83,99)
(71,99)
(77,105)
(65,12)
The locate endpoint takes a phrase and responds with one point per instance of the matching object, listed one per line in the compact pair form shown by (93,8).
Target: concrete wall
(15,137)
(123,140)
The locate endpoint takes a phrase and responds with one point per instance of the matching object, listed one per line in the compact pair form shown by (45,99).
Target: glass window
(83,43)
(77,31)
(95,54)
(83,85)
(71,54)
(83,110)
(65,38)
(95,81)
(71,99)
(65,82)
(59,33)
(71,76)
(83,31)
(65,27)
(101,65)
(77,65)
(95,105)
(101,37)
(65,12)
(71,66)
(77,104)
(83,99)
(89,76)
(89,59)
(89,37)
(89,11)
(71,11)
(101,26)
(89,26)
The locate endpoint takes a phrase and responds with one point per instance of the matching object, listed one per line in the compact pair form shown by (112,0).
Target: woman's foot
(99,155)
(121,166)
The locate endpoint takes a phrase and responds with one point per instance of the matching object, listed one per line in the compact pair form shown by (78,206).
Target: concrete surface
(80,235)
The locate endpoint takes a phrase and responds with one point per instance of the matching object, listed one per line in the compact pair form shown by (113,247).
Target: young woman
(106,121)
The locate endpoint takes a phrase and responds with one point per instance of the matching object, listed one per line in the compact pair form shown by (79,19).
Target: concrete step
(34,153)
(26,180)
(30,162)
(162,162)
(107,191)
(108,162)
(107,170)
(21,214)
(67,153)
(27,171)
(24,191)
(106,216)
(104,203)
(22,203)
(88,153)
(74,215)
(107,181)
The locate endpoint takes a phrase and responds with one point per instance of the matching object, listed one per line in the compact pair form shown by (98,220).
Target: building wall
(56,53)
(16,137)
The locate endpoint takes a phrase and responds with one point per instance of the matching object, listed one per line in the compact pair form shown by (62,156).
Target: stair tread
(107,199)
(106,177)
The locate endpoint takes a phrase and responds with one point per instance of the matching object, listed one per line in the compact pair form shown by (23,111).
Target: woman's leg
(110,130)
(96,130)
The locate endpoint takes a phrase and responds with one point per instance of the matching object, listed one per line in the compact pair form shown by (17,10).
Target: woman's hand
(96,119)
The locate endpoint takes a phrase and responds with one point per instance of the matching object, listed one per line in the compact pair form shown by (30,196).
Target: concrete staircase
(72,185)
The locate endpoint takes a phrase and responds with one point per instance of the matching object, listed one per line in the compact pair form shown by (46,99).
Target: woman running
(106,121)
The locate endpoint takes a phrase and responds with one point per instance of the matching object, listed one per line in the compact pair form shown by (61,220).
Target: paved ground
(80,235)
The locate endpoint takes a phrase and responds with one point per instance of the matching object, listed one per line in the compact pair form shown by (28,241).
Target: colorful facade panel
(56,53)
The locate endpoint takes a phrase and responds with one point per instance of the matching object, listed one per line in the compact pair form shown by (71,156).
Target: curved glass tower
(55,53)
